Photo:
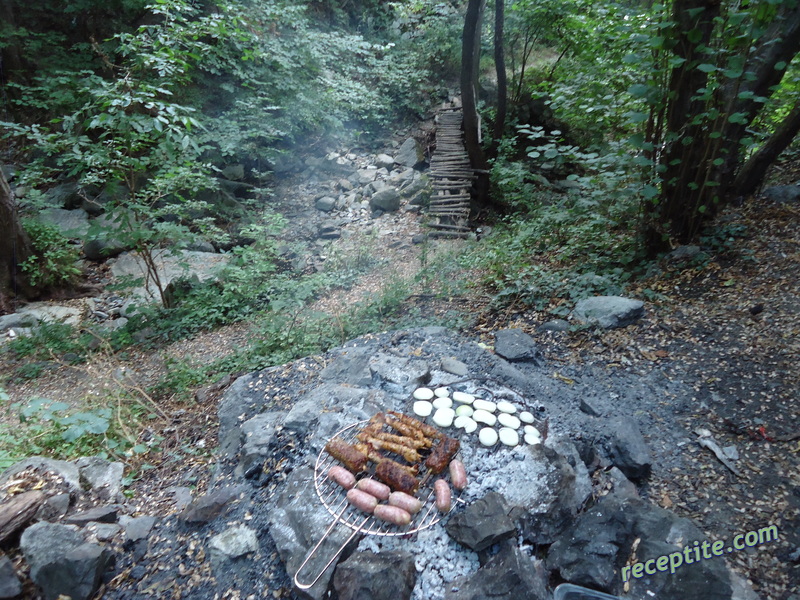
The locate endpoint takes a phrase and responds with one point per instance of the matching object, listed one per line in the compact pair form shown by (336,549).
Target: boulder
(387,200)
(628,450)
(71,223)
(782,194)
(516,346)
(65,195)
(102,247)
(102,476)
(258,434)
(409,154)
(232,543)
(510,575)
(325,203)
(59,469)
(98,514)
(137,528)
(608,312)
(17,321)
(483,523)
(297,524)
(61,563)
(556,325)
(384,161)
(370,576)
(10,585)
(44,311)
(210,505)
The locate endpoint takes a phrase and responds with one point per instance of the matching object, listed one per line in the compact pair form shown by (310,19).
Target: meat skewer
(410,432)
(426,429)
(376,457)
(404,440)
(407,453)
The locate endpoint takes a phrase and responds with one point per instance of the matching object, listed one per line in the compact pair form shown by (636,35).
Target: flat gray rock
(516,346)
(71,223)
(102,476)
(384,576)
(483,523)
(232,543)
(608,312)
(387,200)
(409,154)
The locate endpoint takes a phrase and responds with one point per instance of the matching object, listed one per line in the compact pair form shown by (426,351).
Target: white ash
(438,559)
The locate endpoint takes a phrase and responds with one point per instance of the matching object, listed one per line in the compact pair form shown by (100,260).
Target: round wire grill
(334,498)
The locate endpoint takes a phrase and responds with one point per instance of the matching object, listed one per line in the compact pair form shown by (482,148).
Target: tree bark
(500,68)
(12,67)
(701,165)
(470,62)
(15,248)
(751,175)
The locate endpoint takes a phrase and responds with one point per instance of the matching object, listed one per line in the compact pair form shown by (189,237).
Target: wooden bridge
(451,178)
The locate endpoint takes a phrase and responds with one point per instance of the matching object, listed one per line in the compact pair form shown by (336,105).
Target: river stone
(387,200)
(409,154)
(325,204)
(608,312)
(628,450)
(10,585)
(482,524)
(102,476)
(516,346)
(370,576)
(454,366)
(384,161)
(232,543)
(71,223)
(61,563)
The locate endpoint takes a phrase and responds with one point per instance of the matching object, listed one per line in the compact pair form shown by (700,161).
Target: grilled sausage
(374,488)
(458,474)
(443,497)
(341,476)
(406,502)
(362,500)
(392,514)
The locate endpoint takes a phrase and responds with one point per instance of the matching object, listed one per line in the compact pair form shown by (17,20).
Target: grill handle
(305,586)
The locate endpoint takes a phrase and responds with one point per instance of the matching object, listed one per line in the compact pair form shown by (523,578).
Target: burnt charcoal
(510,575)
(628,450)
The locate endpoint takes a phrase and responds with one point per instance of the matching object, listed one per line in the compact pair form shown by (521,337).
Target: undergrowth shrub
(566,242)
(53,261)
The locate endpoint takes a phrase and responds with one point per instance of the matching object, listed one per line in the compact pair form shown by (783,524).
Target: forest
(633,148)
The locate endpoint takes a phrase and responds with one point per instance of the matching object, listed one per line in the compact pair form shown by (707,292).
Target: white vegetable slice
(506,407)
(488,436)
(481,416)
(526,417)
(484,405)
(442,403)
(508,420)
(470,425)
(463,397)
(508,436)
(423,393)
(442,392)
(462,422)
(443,417)
(464,410)
(533,438)
(422,408)
(531,429)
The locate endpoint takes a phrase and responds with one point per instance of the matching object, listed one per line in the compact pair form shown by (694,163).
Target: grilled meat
(442,454)
(396,477)
(354,460)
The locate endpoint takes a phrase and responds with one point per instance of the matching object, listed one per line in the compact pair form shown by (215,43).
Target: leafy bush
(53,261)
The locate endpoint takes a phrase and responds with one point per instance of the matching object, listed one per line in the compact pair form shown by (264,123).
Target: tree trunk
(500,68)
(470,62)
(752,174)
(12,67)
(15,248)
(701,162)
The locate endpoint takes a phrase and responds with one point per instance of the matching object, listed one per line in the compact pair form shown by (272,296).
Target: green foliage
(53,261)
(563,245)
(48,340)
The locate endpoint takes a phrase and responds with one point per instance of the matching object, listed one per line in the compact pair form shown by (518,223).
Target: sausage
(341,476)
(392,514)
(362,500)
(374,488)
(458,474)
(347,454)
(406,502)
(443,496)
